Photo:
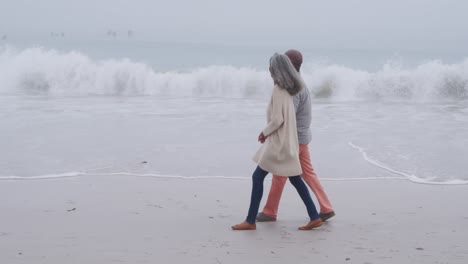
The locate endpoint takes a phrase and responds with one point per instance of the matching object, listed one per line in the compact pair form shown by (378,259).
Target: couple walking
(284,151)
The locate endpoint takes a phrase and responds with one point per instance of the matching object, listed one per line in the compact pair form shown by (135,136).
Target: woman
(280,153)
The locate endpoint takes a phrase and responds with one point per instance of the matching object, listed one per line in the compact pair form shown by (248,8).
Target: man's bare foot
(312,224)
(244,226)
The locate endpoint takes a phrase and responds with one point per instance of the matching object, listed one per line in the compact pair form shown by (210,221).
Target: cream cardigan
(279,154)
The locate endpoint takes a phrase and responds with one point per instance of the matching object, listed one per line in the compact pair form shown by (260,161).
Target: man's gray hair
(284,74)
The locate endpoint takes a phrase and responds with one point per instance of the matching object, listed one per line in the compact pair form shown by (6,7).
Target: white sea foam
(214,177)
(49,72)
(411,177)
(45,176)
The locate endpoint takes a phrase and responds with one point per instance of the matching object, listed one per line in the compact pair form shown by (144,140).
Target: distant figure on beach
(56,35)
(279,153)
(303,106)
(111,33)
(4,37)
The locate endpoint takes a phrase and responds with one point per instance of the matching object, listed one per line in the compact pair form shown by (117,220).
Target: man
(303,105)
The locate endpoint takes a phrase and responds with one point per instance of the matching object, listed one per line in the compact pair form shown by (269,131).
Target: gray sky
(431,24)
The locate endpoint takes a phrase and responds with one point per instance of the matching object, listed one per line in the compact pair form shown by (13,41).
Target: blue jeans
(257,192)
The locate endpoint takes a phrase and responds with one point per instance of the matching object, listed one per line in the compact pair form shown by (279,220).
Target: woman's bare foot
(244,226)
(312,224)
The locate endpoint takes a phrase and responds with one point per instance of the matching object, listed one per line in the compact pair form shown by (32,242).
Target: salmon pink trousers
(308,175)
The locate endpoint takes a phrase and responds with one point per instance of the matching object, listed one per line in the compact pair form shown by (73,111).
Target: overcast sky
(437,24)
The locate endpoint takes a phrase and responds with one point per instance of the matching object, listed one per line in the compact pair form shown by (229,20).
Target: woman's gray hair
(284,74)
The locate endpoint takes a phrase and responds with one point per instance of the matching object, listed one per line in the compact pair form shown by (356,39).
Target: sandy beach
(122,219)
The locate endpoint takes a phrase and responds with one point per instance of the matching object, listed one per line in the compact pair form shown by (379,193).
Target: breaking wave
(38,71)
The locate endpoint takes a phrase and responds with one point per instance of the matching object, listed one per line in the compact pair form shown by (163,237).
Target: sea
(128,107)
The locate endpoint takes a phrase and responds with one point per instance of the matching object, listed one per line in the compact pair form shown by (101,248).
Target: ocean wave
(38,71)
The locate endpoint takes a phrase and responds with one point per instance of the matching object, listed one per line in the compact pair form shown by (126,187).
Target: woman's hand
(261,138)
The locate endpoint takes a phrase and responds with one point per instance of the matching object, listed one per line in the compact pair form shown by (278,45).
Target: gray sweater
(303,106)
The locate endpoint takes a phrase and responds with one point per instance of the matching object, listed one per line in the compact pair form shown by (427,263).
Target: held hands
(261,138)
